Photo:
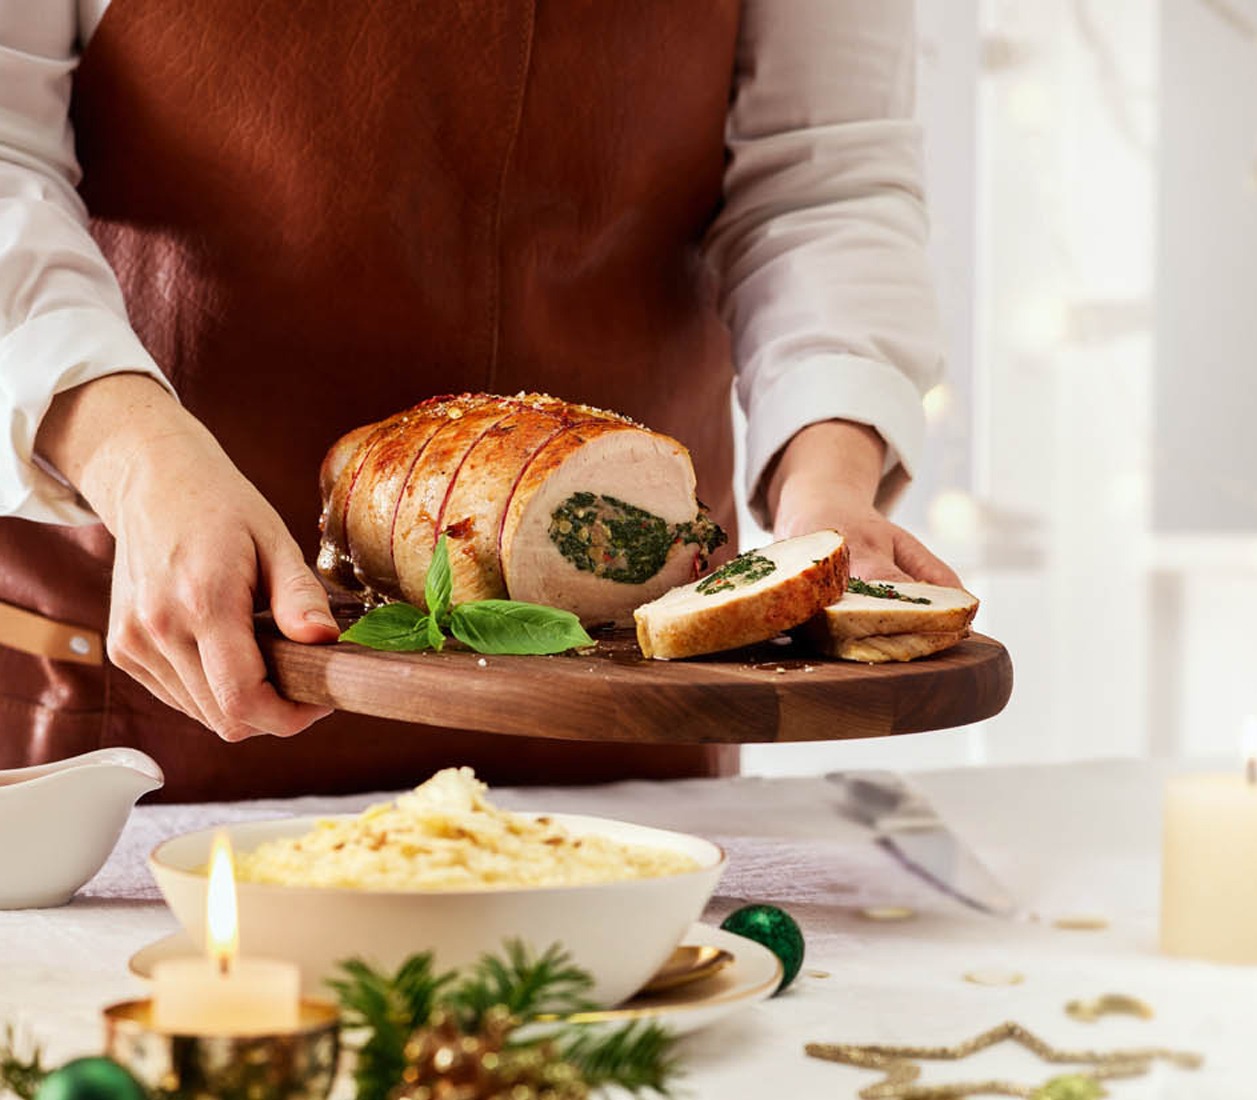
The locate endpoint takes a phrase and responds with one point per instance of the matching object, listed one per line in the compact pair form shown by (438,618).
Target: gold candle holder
(296,1065)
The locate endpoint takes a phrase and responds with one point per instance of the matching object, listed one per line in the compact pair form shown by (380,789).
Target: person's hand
(880,550)
(197,549)
(827,476)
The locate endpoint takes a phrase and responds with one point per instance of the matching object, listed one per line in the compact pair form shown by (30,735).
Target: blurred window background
(1091,469)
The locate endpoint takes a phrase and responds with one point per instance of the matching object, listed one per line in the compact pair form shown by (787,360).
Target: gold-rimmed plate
(690,962)
(732,973)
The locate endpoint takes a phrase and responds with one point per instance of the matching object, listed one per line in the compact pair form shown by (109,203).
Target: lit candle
(1209,863)
(222,993)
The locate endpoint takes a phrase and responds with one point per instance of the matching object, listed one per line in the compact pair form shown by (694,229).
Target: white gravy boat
(60,821)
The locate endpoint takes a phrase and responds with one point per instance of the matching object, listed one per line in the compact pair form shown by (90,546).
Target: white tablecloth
(1067,840)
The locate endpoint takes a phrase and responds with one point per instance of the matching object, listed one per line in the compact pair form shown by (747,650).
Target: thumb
(877,569)
(921,564)
(298,600)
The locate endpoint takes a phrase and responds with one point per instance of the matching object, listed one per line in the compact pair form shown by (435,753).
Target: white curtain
(1093,178)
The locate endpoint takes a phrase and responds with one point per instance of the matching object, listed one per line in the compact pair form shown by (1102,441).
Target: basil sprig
(487,626)
(512,626)
(396,627)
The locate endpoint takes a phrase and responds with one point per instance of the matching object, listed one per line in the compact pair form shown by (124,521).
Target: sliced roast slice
(360,511)
(337,476)
(603,518)
(754,597)
(392,454)
(892,621)
(416,523)
(880,648)
(893,607)
(475,506)
(345,450)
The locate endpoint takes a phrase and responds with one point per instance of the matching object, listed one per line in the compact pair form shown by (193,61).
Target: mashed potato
(444,835)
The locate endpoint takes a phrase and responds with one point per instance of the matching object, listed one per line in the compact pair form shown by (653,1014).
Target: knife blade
(907,827)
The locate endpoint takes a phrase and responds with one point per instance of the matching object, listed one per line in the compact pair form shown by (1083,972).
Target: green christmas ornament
(90,1079)
(775,929)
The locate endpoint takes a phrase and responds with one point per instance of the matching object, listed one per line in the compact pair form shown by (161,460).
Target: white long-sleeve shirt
(820,245)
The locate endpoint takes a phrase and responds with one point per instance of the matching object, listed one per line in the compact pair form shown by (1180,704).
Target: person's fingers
(871,561)
(181,702)
(880,570)
(191,643)
(879,550)
(132,648)
(248,701)
(227,661)
(791,524)
(186,662)
(196,548)
(297,599)
(920,564)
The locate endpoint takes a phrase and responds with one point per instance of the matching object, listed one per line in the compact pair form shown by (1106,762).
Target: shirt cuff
(39,359)
(832,387)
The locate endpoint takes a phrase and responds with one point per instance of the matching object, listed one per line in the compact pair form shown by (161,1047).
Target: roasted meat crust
(473,467)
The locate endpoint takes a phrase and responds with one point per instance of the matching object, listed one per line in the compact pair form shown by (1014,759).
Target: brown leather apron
(323,212)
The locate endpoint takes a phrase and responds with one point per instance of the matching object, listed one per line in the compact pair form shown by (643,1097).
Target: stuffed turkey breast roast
(539,500)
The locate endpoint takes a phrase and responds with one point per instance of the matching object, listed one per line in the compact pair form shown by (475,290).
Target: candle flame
(221,921)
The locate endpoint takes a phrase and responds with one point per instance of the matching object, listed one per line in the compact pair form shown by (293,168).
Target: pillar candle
(1209,868)
(194,996)
(223,993)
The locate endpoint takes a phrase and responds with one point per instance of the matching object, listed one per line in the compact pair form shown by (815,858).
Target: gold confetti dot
(994,975)
(819,974)
(887,912)
(1081,922)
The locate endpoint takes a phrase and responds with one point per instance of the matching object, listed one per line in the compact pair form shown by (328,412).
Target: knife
(908,828)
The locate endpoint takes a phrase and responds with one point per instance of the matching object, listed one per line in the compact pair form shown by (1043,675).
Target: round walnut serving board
(773,692)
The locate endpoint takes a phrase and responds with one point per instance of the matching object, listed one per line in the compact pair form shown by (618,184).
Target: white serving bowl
(620,932)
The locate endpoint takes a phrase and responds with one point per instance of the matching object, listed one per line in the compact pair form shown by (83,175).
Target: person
(232,232)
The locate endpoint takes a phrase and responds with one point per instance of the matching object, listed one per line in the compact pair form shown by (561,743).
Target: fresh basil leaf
(438,585)
(511,626)
(435,638)
(396,627)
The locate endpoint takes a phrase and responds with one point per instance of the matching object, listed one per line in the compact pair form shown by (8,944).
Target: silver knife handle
(883,801)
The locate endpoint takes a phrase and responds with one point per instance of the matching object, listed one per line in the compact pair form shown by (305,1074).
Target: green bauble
(90,1079)
(775,929)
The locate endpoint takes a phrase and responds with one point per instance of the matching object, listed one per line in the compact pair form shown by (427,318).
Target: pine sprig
(20,1074)
(528,988)
(637,1057)
(390,1008)
(496,1000)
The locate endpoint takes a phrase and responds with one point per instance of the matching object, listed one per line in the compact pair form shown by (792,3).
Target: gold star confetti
(898,1064)
(1121,1003)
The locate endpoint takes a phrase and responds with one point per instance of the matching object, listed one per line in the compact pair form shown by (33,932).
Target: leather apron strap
(43,637)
